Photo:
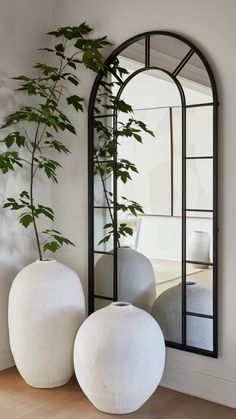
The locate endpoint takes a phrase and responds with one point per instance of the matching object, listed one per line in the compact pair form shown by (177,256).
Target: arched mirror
(153,187)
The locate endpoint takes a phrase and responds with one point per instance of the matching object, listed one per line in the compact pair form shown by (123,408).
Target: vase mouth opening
(190,283)
(121,304)
(46,260)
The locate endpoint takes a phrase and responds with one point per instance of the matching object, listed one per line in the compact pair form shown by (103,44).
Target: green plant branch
(48,117)
(33,169)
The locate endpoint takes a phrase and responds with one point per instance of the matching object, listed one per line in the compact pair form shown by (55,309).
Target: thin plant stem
(32,203)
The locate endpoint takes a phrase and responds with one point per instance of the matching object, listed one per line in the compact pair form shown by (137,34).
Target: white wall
(22,24)
(161,237)
(211,25)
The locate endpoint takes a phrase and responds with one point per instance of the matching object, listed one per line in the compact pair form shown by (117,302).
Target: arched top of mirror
(173,56)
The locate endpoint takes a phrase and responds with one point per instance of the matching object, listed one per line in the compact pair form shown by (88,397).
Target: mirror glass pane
(102,217)
(131,59)
(195,81)
(167,52)
(199,332)
(199,184)
(199,236)
(100,199)
(103,278)
(199,297)
(199,131)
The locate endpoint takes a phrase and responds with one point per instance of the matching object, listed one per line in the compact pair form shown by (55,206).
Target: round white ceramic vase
(136,278)
(119,357)
(46,308)
(198,248)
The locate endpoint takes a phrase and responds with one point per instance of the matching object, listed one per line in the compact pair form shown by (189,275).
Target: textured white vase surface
(119,357)
(46,308)
(136,278)
(198,248)
(167,310)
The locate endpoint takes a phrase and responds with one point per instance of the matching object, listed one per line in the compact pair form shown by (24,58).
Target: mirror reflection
(156,193)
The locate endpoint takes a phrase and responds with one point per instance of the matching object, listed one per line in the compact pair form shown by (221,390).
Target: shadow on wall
(7,275)
(15,253)
(13,258)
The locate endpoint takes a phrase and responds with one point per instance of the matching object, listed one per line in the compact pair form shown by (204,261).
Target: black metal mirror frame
(193,49)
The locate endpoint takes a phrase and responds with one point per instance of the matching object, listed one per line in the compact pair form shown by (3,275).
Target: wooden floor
(17,400)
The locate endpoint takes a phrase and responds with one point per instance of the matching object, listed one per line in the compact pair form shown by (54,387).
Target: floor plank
(19,401)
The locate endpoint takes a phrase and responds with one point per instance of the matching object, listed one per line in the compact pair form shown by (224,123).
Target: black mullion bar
(115,234)
(102,297)
(103,253)
(103,161)
(171,162)
(104,188)
(200,263)
(193,349)
(199,157)
(215,228)
(183,226)
(193,105)
(147,51)
(205,316)
(104,116)
(183,62)
(198,210)
(101,207)
(90,209)
(199,105)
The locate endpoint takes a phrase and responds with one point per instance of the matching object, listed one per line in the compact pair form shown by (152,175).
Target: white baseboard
(215,389)
(6,360)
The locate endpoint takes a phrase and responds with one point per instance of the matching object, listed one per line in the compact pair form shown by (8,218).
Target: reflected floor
(168,274)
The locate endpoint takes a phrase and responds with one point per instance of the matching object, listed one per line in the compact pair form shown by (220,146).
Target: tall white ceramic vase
(119,357)
(46,308)
(136,278)
(198,248)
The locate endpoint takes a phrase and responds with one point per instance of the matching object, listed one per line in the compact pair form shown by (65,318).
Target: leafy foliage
(55,240)
(122,230)
(9,160)
(130,206)
(14,137)
(30,211)
(33,128)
